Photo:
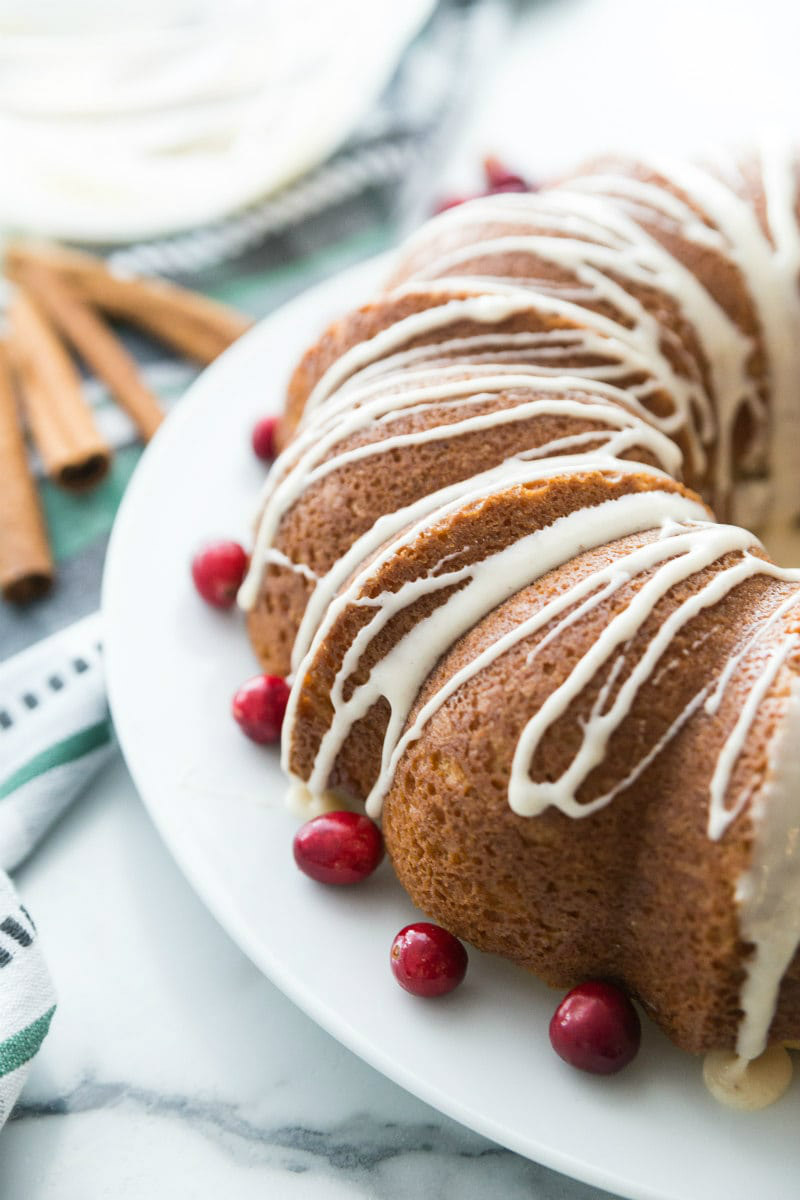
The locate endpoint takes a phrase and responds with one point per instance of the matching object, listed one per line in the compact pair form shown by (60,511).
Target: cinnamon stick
(60,421)
(26,564)
(91,336)
(186,321)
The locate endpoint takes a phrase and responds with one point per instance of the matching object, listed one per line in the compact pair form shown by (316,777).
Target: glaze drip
(636,318)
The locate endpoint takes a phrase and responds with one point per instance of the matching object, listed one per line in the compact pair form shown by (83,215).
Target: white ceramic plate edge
(340,292)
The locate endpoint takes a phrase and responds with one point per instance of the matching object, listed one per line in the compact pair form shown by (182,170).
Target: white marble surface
(174,1069)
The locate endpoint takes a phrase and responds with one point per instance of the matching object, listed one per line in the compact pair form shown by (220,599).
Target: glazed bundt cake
(488,559)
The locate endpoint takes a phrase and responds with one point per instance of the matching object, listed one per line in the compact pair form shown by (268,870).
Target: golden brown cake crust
(471,534)
(680,341)
(364,323)
(662,294)
(637,891)
(331,514)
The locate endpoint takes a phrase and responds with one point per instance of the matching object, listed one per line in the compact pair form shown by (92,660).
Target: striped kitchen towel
(27,999)
(55,734)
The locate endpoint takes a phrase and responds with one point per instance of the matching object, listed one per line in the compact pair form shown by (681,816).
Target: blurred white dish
(175,114)
(481,1055)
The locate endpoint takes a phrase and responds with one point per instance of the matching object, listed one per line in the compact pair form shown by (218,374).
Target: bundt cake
(487,557)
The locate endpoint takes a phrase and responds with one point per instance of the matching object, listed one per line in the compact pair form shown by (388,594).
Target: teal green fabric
(68,750)
(74,520)
(16,1050)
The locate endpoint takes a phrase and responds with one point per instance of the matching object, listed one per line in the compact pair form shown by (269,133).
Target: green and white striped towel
(27,999)
(55,733)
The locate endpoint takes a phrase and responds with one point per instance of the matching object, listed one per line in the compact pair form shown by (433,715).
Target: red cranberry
(427,960)
(510,186)
(338,847)
(259,707)
(218,571)
(596,1028)
(500,179)
(264,438)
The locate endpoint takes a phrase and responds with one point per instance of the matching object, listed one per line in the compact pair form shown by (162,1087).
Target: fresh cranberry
(511,186)
(264,438)
(427,960)
(259,707)
(218,571)
(338,847)
(596,1028)
(500,179)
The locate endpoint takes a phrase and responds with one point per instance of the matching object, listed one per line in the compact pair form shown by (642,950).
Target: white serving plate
(481,1055)
(152,117)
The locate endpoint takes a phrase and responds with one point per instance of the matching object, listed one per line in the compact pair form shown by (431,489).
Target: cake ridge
(477,488)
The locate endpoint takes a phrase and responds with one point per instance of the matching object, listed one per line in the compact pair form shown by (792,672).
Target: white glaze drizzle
(606,240)
(771,286)
(721,816)
(521,347)
(273,555)
(639,259)
(482,309)
(488,582)
(780,186)
(684,554)
(768,893)
(713,702)
(594,230)
(528,797)
(585,595)
(637,351)
(607,233)
(309,457)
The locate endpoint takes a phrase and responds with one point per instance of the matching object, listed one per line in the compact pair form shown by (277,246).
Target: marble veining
(354,1146)
(175,1069)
